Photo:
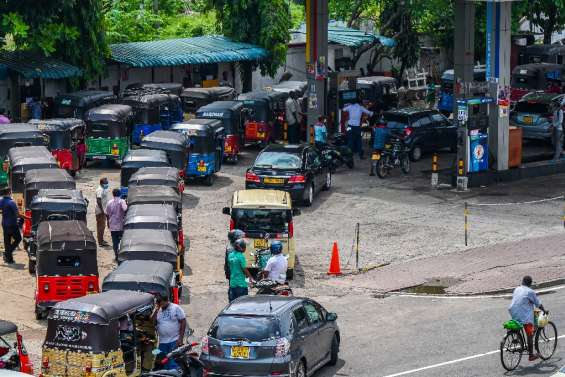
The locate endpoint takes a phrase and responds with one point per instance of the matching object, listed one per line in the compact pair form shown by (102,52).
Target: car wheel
(309,193)
(334,351)
(328,183)
(416,153)
(300,370)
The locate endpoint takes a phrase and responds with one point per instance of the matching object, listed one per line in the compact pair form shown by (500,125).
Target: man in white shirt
(292,114)
(102,198)
(277,264)
(170,320)
(355,111)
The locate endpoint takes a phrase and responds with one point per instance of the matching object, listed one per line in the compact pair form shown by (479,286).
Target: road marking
(471,297)
(449,362)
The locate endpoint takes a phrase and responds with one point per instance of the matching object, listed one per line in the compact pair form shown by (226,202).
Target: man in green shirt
(238,271)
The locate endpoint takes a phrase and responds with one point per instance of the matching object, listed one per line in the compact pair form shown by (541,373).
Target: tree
(548,15)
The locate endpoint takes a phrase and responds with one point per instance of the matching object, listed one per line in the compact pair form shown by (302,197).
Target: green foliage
(548,15)
(296,14)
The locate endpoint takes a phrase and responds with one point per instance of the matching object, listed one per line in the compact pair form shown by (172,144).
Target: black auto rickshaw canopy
(155,195)
(75,104)
(136,159)
(57,204)
(204,135)
(60,131)
(537,75)
(23,159)
(258,104)
(19,134)
(65,247)
(159,176)
(91,323)
(148,244)
(229,112)
(174,144)
(7,327)
(111,120)
(37,179)
(194,98)
(165,87)
(146,104)
(152,216)
(152,277)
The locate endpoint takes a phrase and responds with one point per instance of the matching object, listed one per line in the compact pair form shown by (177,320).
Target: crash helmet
(240,245)
(276,247)
(235,235)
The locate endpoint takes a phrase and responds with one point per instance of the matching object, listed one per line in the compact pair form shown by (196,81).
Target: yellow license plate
(115,152)
(260,135)
(273,180)
(201,168)
(240,352)
(388,146)
(261,244)
(528,120)
(376,156)
(227,149)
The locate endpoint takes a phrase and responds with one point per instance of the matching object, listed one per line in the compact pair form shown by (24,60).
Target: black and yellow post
(285,132)
(466,215)
(357,229)
(311,135)
(435,170)
(461,168)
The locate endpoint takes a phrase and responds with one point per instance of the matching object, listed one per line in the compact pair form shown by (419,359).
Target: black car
(271,336)
(423,130)
(297,169)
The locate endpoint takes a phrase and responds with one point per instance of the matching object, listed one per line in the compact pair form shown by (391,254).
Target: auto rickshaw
(206,140)
(169,177)
(229,112)
(16,135)
(259,119)
(109,334)
(76,104)
(139,158)
(67,265)
(174,144)
(52,205)
(378,92)
(536,76)
(22,159)
(157,278)
(151,244)
(108,132)
(138,195)
(195,98)
(13,354)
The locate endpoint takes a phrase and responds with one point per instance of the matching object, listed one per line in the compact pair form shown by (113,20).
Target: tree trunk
(246,77)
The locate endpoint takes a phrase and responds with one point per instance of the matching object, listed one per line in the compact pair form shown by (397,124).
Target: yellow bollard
(460,170)
(312,135)
(285,132)
(434,163)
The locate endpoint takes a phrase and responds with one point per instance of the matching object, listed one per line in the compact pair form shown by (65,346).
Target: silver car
(271,336)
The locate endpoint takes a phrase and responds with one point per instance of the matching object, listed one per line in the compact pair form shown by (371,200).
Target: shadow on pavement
(541,368)
(330,371)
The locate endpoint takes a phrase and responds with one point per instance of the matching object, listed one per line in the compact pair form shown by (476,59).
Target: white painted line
(449,362)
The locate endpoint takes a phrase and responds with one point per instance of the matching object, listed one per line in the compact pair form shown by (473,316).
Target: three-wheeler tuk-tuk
(259,117)
(157,278)
(108,132)
(53,205)
(13,353)
(76,104)
(151,111)
(16,135)
(169,177)
(66,141)
(535,76)
(137,159)
(109,334)
(206,147)
(67,265)
(378,92)
(229,112)
(174,144)
(195,98)
(151,244)
(21,160)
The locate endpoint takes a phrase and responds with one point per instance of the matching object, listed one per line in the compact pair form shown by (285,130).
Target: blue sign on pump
(478,152)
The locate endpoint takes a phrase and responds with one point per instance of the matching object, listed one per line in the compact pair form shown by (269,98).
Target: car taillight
(297,179)
(205,349)
(46,287)
(164,361)
(291,229)
(282,347)
(252,177)
(232,224)
(408,131)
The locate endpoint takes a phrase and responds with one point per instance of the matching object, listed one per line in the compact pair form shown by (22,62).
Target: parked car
(271,335)
(534,113)
(423,130)
(297,169)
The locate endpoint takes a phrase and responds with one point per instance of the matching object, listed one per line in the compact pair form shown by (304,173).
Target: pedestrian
(115,213)
(320,133)
(238,271)
(102,197)
(3,118)
(355,111)
(34,107)
(170,321)
(233,235)
(292,118)
(557,131)
(10,216)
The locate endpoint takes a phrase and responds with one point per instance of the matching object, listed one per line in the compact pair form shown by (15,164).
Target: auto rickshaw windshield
(260,110)
(202,144)
(59,139)
(107,129)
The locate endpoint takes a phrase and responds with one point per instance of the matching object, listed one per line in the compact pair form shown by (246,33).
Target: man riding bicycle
(524,301)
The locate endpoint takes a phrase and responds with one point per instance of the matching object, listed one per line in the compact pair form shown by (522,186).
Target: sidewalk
(476,271)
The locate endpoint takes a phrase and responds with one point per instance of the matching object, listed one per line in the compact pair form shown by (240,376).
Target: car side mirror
(226,211)
(331,317)
(296,212)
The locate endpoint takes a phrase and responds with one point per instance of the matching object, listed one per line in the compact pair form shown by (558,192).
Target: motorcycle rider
(320,133)
(277,265)
(380,136)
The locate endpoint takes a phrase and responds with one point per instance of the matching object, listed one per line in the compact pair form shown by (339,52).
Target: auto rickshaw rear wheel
(31,267)
(209,180)
(39,314)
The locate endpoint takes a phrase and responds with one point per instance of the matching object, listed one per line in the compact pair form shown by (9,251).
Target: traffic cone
(335,268)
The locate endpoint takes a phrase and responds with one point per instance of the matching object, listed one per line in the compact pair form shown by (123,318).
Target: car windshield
(396,121)
(532,107)
(261,220)
(244,328)
(278,160)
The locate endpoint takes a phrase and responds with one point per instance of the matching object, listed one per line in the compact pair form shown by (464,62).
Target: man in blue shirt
(355,112)
(10,215)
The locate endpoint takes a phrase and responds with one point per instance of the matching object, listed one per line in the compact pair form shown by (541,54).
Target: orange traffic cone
(335,268)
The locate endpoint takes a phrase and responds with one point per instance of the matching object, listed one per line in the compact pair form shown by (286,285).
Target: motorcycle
(337,153)
(189,365)
(271,287)
(395,154)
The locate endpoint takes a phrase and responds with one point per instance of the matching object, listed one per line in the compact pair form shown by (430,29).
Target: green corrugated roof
(197,50)
(340,34)
(31,66)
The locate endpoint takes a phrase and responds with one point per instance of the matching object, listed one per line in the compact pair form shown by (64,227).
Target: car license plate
(98,157)
(273,180)
(201,168)
(261,244)
(528,120)
(240,352)
(376,156)
(388,146)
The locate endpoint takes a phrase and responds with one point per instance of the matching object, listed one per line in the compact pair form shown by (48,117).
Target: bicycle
(514,344)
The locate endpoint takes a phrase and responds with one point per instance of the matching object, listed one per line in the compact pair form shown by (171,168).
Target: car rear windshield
(396,120)
(278,160)
(261,220)
(532,107)
(244,328)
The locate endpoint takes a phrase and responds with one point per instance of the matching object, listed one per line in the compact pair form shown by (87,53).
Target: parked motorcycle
(337,153)
(187,360)
(395,154)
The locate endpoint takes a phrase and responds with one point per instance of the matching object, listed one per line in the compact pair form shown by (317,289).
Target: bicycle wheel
(511,349)
(546,340)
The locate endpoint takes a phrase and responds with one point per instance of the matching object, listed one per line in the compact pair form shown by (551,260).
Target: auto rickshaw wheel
(38,313)
(209,180)
(31,267)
